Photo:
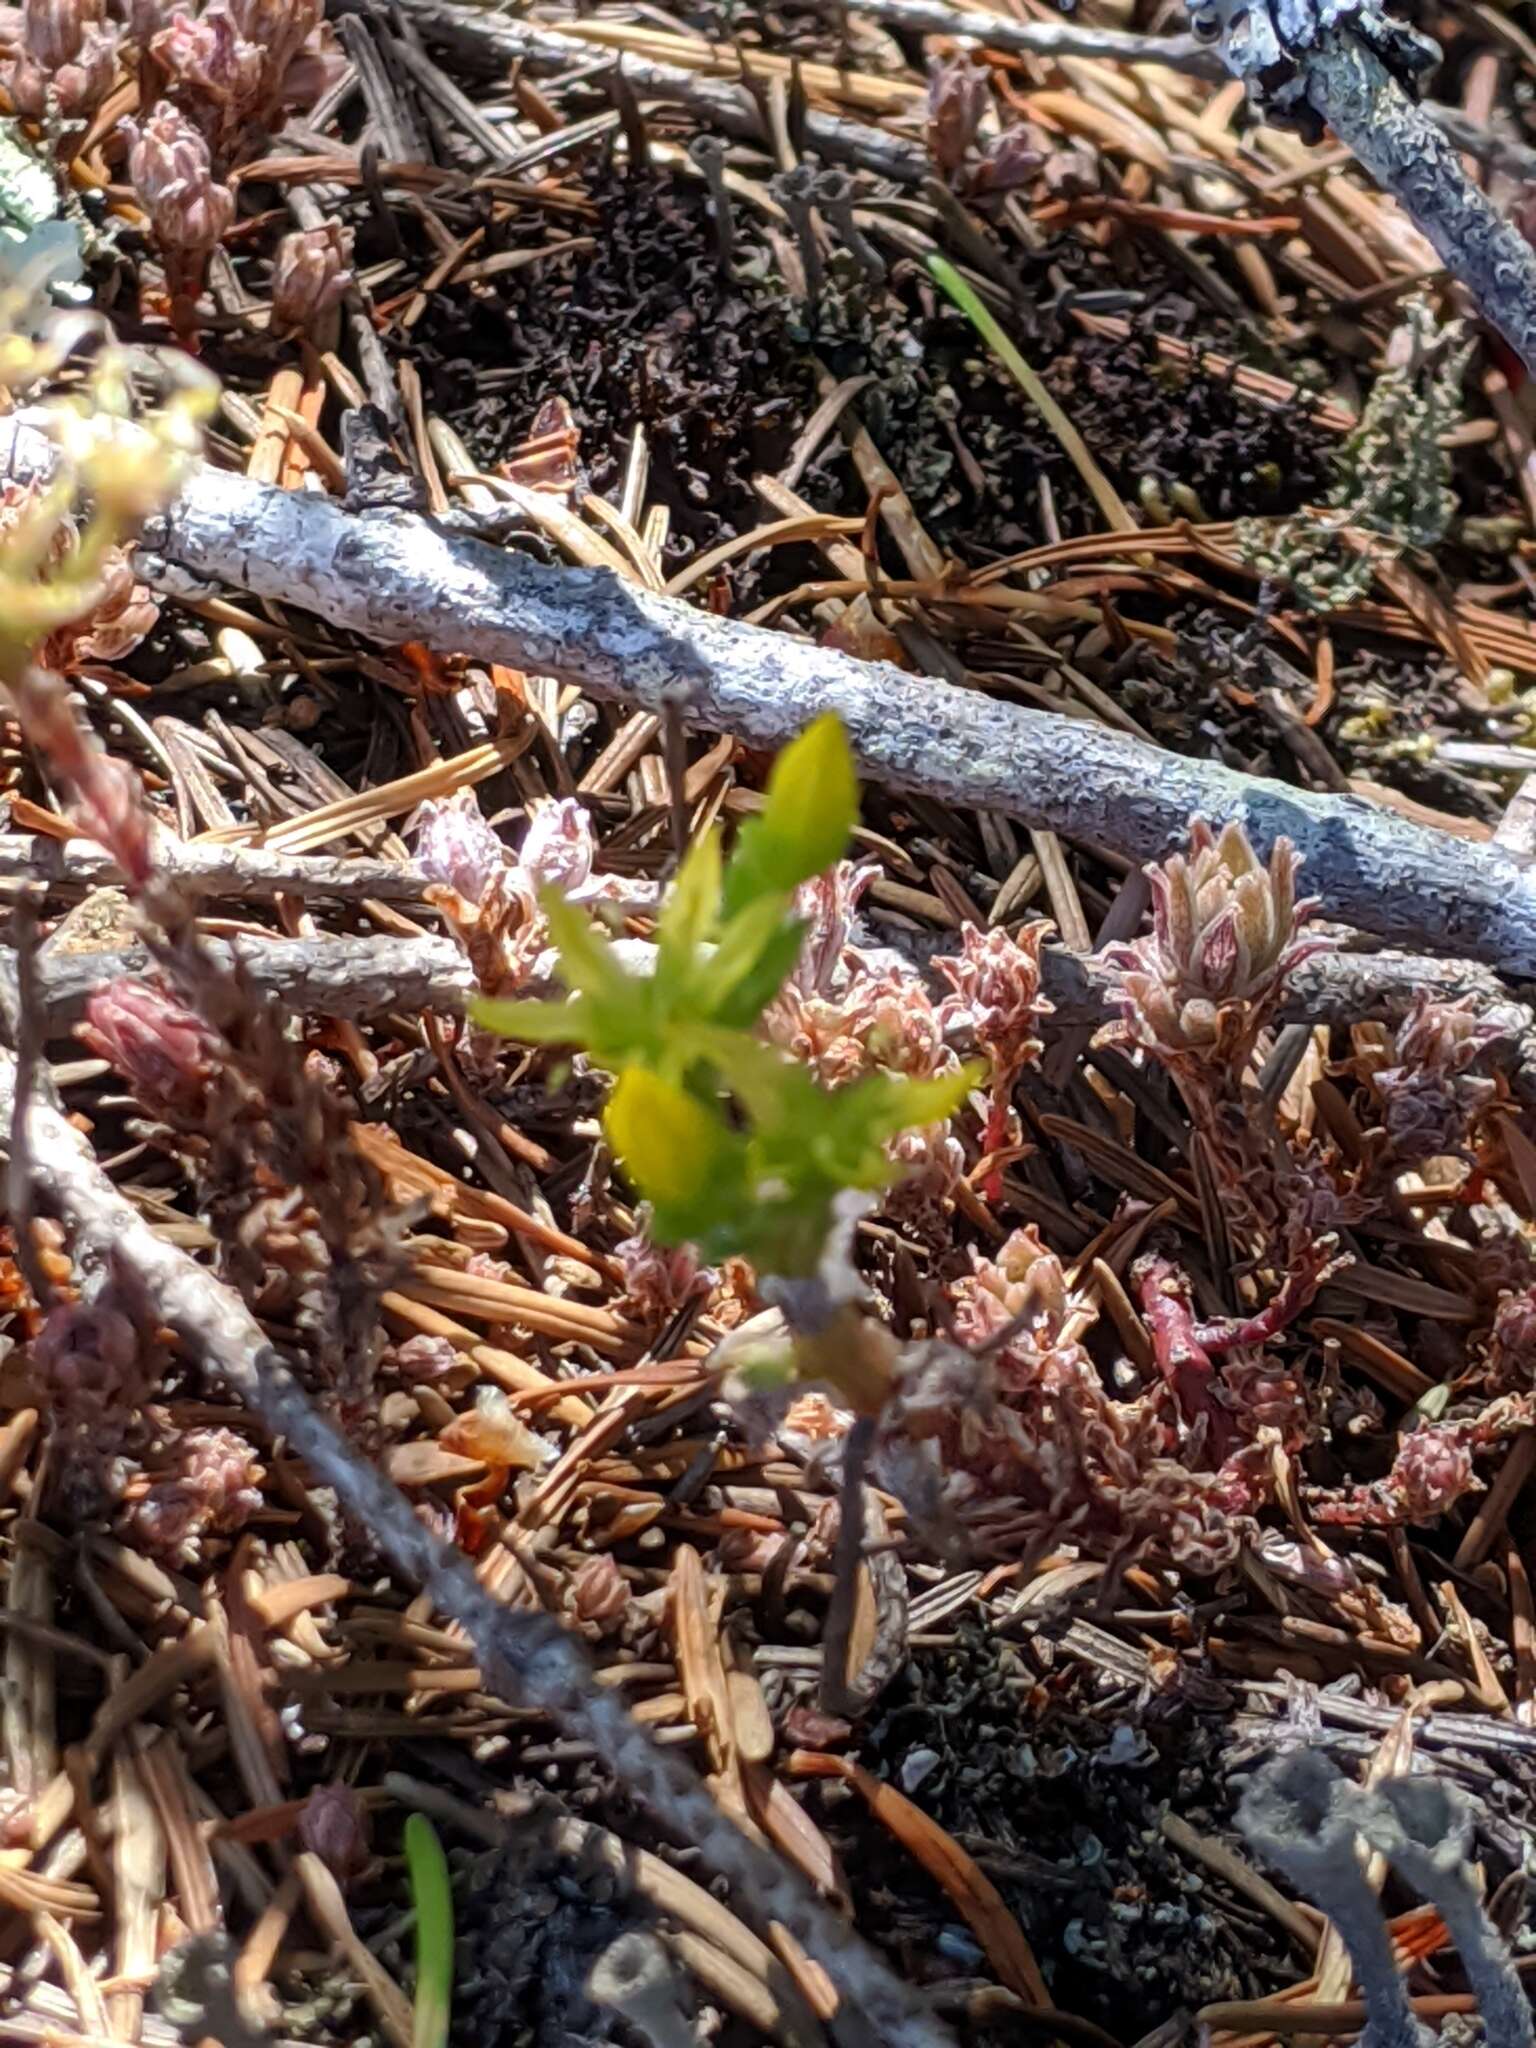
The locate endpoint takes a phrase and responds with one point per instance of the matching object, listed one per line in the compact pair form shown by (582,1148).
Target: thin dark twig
(674,744)
(31,1032)
(839,1685)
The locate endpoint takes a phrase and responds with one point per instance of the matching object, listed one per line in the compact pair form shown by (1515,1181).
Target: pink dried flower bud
(86,1359)
(108,802)
(123,614)
(277,27)
(559,849)
(171,171)
(123,610)
(52,31)
(215,1491)
(598,1594)
(334,1825)
(931,1164)
(72,88)
(163,1050)
(309,275)
(215,75)
(1511,1364)
(1008,162)
(828,903)
(1225,934)
(1433,1469)
(1023,1280)
(1428,1098)
(658,1281)
(455,845)
(879,1020)
(997,996)
(423,1359)
(957,100)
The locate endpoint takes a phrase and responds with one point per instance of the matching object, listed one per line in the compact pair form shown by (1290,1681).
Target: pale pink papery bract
(1226,931)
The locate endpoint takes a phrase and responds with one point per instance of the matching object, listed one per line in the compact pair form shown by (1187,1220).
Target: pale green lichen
(1392,485)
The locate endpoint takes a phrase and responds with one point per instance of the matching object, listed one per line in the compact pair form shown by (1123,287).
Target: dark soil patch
(1059,1794)
(640,330)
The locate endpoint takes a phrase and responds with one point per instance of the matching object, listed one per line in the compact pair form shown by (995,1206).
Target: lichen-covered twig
(1041,38)
(1346,63)
(529,1659)
(325,977)
(206,870)
(1423,1826)
(1297,1815)
(1370,112)
(398,577)
(341,976)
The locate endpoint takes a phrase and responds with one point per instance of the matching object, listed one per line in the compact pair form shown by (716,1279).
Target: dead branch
(528,1659)
(396,577)
(1361,71)
(219,871)
(1042,38)
(492,41)
(326,977)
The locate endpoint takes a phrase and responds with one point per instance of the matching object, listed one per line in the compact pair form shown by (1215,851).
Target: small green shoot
(1105,496)
(432,1898)
(735,1146)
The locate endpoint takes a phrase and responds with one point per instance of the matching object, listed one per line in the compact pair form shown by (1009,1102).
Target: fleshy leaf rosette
(1226,931)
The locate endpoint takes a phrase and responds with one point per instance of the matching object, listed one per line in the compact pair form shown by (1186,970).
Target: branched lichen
(1393,477)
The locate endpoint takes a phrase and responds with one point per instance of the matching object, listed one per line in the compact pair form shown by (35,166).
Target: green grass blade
(432,1897)
(1106,497)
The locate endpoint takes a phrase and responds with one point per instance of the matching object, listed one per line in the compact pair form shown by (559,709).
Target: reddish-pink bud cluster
(162,1049)
(230,67)
(598,1595)
(214,1490)
(86,1360)
(1225,934)
(957,103)
(66,62)
(659,1280)
(1429,1098)
(456,847)
(309,275)
(119,610)
(334,1825)
(171,171)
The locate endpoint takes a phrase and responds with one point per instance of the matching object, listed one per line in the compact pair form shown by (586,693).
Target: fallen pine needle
(1105,496)
(975,1897)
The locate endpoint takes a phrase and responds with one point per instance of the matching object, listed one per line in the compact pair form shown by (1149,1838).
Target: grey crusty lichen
(1393,479)
(1303,1815)
(1349,65)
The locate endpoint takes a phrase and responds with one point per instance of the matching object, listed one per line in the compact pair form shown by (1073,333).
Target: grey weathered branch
(362,976)
(493,40)
(1372,115)
(221,871)
(396,577)
(1347,63)
(325,977)
(1041,38)
(528,1659)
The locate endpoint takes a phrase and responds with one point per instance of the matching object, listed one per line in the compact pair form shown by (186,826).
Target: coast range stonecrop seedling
(737,1147)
